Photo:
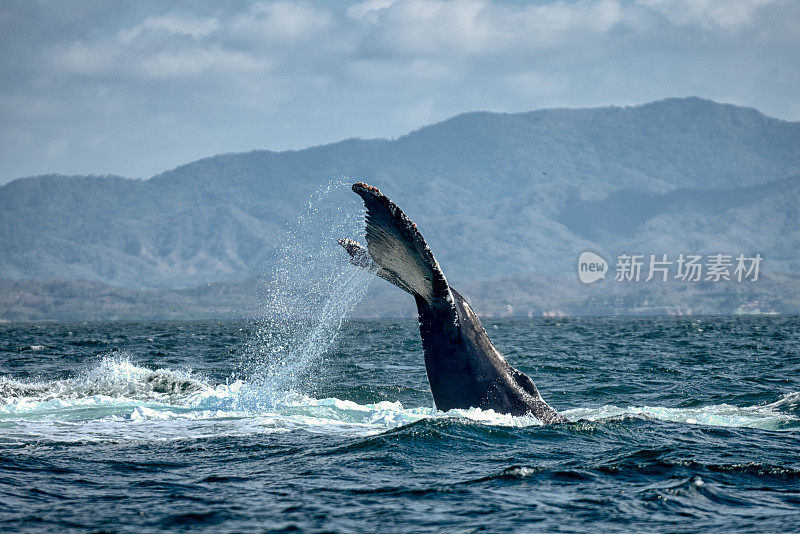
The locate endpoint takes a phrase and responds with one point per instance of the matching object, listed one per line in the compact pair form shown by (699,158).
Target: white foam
(763,417)
(120,401)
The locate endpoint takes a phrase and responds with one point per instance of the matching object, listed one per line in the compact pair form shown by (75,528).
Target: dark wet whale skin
(464,368)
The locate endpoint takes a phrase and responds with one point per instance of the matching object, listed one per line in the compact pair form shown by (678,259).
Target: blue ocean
(680,424)
(302,418)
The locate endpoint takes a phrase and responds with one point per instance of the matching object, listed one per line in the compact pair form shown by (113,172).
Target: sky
(134,88)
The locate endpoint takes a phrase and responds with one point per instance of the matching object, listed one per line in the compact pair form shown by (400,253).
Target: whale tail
(463,366)
(396,251)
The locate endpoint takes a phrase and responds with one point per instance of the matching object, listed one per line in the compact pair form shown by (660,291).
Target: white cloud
(369,7)
(194,62)
(282,21)
(171,24)
(481,27)
(729,15)
(162,47)
(435,38)
(293,74)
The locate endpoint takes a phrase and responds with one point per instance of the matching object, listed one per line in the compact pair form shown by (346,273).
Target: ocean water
(680,424)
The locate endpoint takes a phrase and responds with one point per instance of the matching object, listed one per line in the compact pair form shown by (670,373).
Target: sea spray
(311,290)
(115,377)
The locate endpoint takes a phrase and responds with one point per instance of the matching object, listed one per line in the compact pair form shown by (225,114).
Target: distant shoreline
(529,296)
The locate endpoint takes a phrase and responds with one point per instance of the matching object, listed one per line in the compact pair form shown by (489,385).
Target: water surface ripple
(680,424)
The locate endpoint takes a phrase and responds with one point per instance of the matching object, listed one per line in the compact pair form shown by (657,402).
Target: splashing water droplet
(312,288)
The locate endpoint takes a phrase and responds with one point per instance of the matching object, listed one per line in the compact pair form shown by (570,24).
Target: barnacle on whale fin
(366,187)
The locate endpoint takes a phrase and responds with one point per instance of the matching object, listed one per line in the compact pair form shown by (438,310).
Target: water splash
(312,289)
(120,401)
(115,377)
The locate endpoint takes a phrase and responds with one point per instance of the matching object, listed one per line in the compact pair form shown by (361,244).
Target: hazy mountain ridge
(495,195)
(513,295)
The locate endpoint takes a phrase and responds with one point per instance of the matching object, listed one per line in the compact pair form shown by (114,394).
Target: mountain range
(496,196)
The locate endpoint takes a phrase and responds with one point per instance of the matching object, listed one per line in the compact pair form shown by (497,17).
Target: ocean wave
(119,400)
(115,377)
(788,403)
(766,417)
(31,348)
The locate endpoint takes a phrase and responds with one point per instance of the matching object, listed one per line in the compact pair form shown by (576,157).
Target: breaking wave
(118,400)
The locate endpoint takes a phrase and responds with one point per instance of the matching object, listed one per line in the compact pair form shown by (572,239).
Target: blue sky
(136,88)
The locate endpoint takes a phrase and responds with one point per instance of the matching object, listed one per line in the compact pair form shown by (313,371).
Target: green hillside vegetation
(512,197)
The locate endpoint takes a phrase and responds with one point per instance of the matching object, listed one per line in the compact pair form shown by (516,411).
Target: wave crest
(116,393)
(115,377)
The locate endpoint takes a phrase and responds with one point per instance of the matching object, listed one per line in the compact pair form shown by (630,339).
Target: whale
(464,368)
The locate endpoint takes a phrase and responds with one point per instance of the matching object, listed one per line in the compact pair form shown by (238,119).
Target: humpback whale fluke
(464,368)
